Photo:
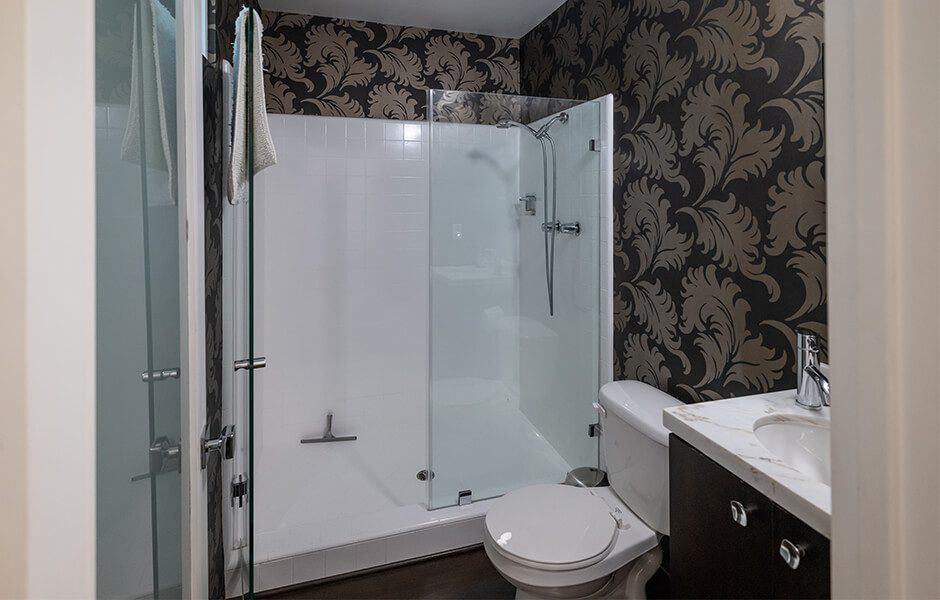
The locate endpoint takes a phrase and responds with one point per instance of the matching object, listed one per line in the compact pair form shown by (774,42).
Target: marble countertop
(723,430)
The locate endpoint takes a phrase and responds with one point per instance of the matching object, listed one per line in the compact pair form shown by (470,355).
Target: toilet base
(627,582)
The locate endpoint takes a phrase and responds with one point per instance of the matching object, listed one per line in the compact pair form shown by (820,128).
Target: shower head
(561,117)
(506,124)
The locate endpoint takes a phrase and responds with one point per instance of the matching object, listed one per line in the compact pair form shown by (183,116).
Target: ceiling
(504,18)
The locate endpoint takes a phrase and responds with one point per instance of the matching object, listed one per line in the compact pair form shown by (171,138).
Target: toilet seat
(631,539)
(552,527)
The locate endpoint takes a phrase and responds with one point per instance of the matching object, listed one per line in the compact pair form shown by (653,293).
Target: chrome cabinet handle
(792,553)
(739,513)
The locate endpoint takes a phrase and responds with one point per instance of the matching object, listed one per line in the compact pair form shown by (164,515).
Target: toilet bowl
(561,541)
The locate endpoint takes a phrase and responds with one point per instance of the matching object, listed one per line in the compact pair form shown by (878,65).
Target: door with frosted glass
(138,336)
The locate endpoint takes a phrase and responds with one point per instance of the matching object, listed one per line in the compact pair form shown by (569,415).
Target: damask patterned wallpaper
(719,225)
(335,67)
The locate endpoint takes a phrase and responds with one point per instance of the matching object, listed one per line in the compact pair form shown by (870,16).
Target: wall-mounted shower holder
(573,228)
(528,202)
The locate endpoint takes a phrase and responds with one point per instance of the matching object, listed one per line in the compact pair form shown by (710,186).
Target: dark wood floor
(467,575)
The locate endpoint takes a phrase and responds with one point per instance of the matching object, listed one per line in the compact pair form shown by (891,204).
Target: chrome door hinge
(594,146)
(464,497)
(594,429)
(224,444)
(239,490)
(159,375)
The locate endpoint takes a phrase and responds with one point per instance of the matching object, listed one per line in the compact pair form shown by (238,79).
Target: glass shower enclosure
(514,276)
(513,327)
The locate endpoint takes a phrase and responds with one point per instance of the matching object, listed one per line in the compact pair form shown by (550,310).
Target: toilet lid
(552,526)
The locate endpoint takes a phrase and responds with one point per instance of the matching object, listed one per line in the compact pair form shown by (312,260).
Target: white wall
(60,318)
(13,440)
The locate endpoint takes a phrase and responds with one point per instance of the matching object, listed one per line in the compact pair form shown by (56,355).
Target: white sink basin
(800,442)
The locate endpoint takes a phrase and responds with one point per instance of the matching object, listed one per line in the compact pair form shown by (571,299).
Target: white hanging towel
(264,154)
(153,94)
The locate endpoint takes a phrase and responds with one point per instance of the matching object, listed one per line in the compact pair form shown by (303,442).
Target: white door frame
(189,46)
(59,353)
(883,205)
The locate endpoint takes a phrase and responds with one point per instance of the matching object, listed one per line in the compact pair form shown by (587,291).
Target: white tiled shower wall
(342,316)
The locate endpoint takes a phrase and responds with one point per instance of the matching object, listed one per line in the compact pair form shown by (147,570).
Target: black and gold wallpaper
(719,224)
(335,67)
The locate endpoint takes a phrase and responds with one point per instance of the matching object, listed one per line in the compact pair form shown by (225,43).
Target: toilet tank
(636,448)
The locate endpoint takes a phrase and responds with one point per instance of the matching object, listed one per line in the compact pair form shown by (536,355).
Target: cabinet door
(711,555)
(810,577)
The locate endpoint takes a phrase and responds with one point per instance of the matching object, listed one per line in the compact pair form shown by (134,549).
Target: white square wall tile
(414,151)
(412,132)
(308,567)
(341,559)
(274,574)
(355,129)
(335,130)
(375,129)
(394,131)
(371,553)
(401,547)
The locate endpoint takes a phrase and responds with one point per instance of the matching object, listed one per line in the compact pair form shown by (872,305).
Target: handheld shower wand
(549,226)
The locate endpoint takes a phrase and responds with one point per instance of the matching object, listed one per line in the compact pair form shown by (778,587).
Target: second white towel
(263,145)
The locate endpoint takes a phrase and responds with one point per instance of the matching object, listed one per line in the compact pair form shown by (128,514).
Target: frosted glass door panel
(138,335)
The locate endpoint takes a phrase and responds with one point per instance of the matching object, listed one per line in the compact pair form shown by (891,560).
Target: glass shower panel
(511,386)
(559,354)
(138,336)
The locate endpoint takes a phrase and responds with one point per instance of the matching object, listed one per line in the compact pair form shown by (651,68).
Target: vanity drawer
(715,552)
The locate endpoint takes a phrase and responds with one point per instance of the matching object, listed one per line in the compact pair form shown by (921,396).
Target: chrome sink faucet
(812,387)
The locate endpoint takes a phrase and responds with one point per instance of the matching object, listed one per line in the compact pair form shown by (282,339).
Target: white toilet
(561,541)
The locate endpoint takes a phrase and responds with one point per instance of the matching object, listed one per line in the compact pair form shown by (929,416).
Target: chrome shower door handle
(259,362)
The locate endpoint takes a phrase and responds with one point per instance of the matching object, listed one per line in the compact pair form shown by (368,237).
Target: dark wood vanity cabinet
(725,536)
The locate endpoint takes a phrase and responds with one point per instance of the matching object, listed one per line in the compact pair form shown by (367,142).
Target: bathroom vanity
(750,499)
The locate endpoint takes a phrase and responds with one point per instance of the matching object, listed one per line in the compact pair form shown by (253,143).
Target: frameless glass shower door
(514,190)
